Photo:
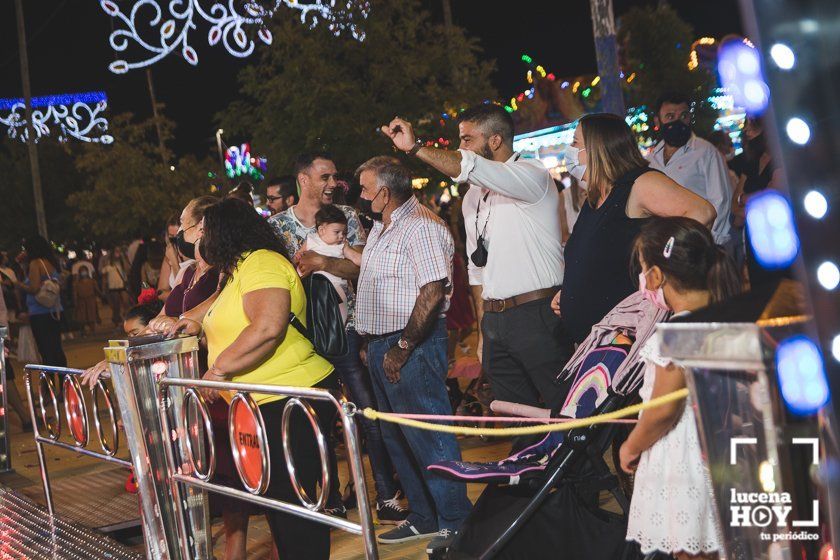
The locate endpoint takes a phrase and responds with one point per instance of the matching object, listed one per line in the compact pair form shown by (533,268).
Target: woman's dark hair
(37,247)
(693,261)
(330,214)
(145,312)
(232,229)
(611,151)
(242,192)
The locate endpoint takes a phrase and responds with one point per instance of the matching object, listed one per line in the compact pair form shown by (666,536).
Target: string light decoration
(239,162)
(76,116)
(161,27)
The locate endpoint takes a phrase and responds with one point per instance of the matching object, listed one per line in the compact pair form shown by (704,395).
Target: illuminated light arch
(77,116)
(160,27)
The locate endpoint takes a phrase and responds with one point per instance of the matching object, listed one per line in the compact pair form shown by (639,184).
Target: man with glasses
(281,194)
(691,161)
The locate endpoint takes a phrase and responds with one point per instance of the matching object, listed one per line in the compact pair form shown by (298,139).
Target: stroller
(543,500)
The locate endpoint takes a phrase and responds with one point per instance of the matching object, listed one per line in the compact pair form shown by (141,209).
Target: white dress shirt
(699,167)
(523,236)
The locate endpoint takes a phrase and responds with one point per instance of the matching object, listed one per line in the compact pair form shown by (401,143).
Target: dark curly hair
(232,229)
(330,214)
(37,247)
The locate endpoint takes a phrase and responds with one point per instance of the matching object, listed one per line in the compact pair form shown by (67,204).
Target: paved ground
(87,489)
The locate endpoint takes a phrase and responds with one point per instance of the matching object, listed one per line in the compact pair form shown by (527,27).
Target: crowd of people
(534,261)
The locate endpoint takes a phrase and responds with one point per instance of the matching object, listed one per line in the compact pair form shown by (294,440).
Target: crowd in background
(533,262)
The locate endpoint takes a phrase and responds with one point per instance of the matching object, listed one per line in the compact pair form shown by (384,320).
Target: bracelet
(415,148)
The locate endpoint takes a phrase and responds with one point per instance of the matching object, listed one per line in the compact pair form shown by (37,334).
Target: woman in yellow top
(249,340)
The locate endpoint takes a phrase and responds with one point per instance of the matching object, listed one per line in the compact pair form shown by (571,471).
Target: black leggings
(47,332)
(295,537)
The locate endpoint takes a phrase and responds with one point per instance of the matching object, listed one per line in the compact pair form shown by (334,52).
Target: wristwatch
(416,147)
(403,344)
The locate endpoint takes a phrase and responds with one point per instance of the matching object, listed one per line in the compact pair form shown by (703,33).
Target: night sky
(69,52)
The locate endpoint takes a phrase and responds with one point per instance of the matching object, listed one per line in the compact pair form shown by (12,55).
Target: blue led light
(771,230)
(802,380)
(739,67)
(90,98)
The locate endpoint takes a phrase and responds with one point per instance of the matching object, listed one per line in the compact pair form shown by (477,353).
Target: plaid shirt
(414,250)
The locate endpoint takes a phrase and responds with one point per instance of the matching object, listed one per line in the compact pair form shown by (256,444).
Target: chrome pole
(42,464)
(357,470)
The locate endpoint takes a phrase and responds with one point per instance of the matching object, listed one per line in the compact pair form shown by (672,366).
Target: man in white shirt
(691,161)
(513,241)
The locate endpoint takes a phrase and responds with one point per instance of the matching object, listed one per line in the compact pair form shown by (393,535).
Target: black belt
(372,337)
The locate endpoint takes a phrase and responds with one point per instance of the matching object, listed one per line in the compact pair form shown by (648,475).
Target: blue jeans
(356,378)
(436,502)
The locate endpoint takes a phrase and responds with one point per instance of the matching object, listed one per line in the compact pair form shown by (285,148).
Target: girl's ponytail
(722,278)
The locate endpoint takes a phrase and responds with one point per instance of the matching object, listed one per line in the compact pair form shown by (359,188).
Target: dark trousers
(525,348)
(47,332)
(296,538)
(356,378)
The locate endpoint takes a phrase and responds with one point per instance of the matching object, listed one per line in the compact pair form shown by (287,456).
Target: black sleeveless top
(597,256)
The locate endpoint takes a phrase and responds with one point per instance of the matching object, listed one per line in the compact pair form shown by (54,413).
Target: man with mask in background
(691,161)
(513,241)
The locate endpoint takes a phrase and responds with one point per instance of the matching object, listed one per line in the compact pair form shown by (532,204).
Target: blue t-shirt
(36,308)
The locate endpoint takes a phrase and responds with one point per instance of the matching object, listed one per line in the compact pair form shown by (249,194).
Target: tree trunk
(606,51)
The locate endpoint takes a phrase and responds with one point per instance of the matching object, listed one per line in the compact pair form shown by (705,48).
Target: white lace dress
(672,508)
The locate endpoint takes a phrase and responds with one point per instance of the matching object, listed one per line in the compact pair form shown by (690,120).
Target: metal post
(351,438)
(219,133)
(42,463)
(5,449)
(606,52)
(156,116)
(40,214)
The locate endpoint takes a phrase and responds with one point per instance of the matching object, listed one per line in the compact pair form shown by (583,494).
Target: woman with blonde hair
(622,192)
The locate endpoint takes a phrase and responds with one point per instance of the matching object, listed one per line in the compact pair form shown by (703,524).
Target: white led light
(828,275)
(798,131)
(783,56)
(815,204)
(835,347)
(549,162)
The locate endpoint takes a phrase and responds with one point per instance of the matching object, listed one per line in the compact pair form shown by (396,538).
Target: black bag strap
(295,322)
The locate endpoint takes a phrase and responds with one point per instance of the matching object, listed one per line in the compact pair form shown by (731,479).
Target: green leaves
(311,90)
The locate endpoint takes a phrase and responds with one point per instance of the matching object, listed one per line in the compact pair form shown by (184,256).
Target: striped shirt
(414,250)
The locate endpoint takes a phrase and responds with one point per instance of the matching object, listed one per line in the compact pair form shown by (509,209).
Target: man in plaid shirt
(400,308)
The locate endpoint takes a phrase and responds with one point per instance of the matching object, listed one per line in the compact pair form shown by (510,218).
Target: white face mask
(573,164)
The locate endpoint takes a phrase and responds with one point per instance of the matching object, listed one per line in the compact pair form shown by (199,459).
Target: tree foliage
(17,203)
(313,90)
(656,44)
(130,191)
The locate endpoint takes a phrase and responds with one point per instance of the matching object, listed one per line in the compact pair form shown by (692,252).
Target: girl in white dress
(672,509)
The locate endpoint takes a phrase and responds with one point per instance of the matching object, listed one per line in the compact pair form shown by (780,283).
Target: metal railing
(5,448)
(76,414)
(245,418)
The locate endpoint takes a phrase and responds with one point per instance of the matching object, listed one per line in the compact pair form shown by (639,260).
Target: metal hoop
(71,384)
(322,450)
(192,394)
(247,401)
(103,442)
(53,431)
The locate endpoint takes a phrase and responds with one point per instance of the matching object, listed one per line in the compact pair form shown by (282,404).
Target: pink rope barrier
(503,419)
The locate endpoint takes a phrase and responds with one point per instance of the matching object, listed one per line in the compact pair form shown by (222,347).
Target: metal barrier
(5,449)
(247,432)
(76,414)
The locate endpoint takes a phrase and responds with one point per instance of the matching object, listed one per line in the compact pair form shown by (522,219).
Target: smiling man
(315,173)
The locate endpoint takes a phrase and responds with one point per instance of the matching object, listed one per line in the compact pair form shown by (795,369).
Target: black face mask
(676,133)
(187,249)
(366,206)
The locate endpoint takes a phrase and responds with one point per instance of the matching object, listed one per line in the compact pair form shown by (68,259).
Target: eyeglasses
(270,198)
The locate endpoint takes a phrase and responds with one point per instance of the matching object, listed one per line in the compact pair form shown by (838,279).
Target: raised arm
(655,194)
(519,180)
